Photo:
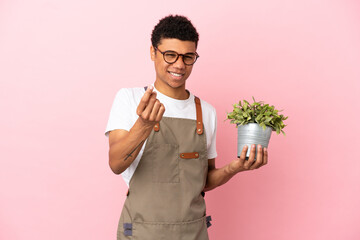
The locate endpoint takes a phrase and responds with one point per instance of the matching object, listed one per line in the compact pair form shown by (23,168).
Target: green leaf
(268,119)
(259,112)
(245,106)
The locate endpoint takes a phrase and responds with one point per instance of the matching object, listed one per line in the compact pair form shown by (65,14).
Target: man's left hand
(241,164)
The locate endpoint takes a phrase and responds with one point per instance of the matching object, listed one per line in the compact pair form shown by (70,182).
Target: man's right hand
(126,145)
(150,109)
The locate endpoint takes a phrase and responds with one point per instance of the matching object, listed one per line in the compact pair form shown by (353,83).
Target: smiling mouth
(176,74)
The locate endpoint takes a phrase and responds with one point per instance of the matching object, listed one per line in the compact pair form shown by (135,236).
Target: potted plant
(255,123)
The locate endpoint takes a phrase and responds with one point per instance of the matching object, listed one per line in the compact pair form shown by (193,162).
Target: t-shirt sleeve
(212,147)
(120,112)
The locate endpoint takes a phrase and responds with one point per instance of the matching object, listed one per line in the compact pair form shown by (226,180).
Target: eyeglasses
(172,56)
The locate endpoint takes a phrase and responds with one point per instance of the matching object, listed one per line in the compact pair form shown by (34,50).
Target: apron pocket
(165,163)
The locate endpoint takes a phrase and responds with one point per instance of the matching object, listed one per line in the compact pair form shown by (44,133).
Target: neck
(179,93)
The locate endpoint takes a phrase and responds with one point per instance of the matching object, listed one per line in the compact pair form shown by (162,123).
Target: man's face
(174,74)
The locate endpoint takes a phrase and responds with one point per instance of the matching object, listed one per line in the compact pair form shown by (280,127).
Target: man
(162,141)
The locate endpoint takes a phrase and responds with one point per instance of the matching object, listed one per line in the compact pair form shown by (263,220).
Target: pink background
(61,63)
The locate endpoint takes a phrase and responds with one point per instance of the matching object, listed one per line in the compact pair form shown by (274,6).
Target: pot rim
(237,125)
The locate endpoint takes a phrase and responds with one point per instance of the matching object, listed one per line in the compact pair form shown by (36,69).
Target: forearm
(217,177)
(123,152)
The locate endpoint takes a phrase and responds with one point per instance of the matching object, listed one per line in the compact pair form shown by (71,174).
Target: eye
(170,55)
(189,56)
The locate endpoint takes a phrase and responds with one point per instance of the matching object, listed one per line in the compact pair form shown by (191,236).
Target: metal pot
(252,133)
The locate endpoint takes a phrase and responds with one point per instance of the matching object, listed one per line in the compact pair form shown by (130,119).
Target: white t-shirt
(123,116)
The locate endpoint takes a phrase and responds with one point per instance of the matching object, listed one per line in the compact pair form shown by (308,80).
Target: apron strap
(199,121)
(157,127)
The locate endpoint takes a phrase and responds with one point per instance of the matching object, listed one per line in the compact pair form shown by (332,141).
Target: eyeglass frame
(178,55)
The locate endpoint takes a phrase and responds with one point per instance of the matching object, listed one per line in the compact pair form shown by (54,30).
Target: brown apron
(165,199)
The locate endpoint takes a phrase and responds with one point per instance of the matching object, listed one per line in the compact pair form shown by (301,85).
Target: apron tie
(208,223)
(127,229)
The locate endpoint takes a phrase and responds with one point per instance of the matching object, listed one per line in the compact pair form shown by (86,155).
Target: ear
(152,53)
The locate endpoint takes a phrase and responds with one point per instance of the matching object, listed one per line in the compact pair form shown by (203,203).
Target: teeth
(176,74)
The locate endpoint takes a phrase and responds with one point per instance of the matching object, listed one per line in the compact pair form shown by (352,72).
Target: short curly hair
(177,26)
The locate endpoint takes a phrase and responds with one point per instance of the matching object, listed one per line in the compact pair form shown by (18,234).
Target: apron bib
(165,199)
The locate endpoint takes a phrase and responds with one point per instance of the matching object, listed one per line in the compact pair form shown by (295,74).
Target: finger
(250,161)
(160,113)
(243,154)
(144,100)
(259,158)
(154,110)
(266,155)
(147,111)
